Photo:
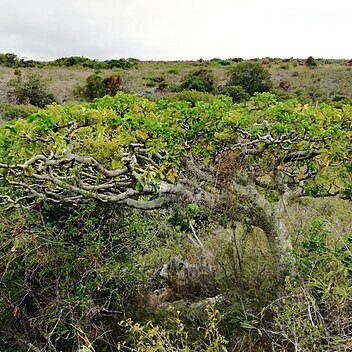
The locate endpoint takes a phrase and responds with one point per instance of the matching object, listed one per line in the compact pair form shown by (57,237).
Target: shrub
(94,87)
(310,62)
(251,76)
(8,59)
(155,81)
(30,89)
(224,62)
(174,336)
(201,80)
(119,63)
(313,314)
(237,93)
(112,84)
(64,269)
(97,86)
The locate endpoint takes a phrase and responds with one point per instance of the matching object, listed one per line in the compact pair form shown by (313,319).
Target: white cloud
(176,29)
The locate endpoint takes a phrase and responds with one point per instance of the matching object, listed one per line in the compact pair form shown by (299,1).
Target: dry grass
(327,79)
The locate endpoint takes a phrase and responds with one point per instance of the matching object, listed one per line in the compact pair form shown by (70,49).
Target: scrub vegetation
(175,206)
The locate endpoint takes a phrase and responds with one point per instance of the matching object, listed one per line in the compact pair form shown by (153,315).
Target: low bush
(175,335)
(313,313)
(251,76)
(310,62)
(29,89)
(96,87)
(224,62)
(70,267)
(201,80)
(155,81)
(71,274)
(173,71)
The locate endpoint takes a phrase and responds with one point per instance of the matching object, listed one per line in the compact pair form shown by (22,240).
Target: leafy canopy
(124,144)
(251,76)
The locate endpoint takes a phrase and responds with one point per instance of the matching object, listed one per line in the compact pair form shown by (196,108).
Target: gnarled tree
(248,161)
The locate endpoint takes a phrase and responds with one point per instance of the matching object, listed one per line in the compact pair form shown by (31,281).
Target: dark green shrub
(29,89)
(340,101)
(87,62)
(120,63)
(315,239)
(201,80)
(93,88)
(97,86)
(8,59)
(74,61)
(310,62)
(237,93)
(224,62)
(251,76)
(155,81)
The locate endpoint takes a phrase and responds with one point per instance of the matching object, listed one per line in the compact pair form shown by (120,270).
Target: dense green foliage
(310,62)
(313,313)
(30,89)
(64,268)
(251,76)
(93,88)
(201,80)
(95,64)
(110,125)
(12,60)
(96,87)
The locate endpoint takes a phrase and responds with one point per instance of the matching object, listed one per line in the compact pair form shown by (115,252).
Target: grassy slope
(325,80)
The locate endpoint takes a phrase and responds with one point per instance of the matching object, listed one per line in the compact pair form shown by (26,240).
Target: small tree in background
(201,80)
(29,89)
(310,62)
(97,86)
(251,76)
(8,59)
(94,87)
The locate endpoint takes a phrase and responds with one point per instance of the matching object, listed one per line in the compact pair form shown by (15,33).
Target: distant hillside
(319,81)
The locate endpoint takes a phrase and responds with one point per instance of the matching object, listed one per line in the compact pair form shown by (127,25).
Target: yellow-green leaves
(172,174)
(273,136)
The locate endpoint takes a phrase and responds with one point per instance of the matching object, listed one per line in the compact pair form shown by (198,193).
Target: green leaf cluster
(109,127)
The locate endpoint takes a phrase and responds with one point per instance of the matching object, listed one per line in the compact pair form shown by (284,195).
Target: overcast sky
(176,29)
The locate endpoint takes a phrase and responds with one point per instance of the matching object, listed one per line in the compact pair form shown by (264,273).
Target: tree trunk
(272,223)
(269,218)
